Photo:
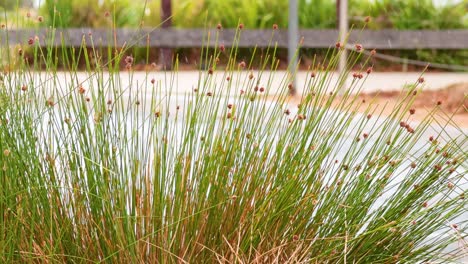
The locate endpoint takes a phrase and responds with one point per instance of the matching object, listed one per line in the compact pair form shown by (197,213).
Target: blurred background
(258,14)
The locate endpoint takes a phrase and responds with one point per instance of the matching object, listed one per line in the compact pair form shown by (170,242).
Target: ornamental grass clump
(100,167)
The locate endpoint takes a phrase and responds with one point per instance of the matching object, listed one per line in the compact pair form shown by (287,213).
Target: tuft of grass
(97,166)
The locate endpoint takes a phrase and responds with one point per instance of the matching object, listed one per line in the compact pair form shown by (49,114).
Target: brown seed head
(241,26)
(313,74)
(20,52)
(81,90)
(40,18)
(50,102)
(229,106)
(287,112)
(30,41)
(373,52)
(358,47)
(420,79)
(107,14)
(369,116)
(275,26)
(129,60)
(295,237)
(338,45)
(367,19)
(153,81)
(222,48)
(24,88)
(412,111)
(210,71)
(242,64)
(290,86)
(413,165)
(262,89)
(219,26)
(369,70)
(365,135)
(209,94)
(439,102)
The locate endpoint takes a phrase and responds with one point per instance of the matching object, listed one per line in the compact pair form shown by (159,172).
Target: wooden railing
(178,38)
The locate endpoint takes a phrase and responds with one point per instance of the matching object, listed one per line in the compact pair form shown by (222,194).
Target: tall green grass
(102,168)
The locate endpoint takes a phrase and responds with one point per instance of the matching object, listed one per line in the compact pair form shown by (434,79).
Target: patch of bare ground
(452,100)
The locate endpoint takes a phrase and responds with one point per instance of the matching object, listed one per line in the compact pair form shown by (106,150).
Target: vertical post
(166,19)
(342,16)
(293,35)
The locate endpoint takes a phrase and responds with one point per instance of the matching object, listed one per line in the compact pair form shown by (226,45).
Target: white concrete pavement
(185,81)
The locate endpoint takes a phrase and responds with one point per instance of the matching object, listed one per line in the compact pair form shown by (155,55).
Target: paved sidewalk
(185,81)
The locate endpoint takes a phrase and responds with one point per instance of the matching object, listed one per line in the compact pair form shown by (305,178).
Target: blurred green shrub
(90,13)
(399,14)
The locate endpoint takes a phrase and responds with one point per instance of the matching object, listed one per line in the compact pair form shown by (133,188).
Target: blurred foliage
(12,4)
(409,14)
(318,14)
(92,13)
